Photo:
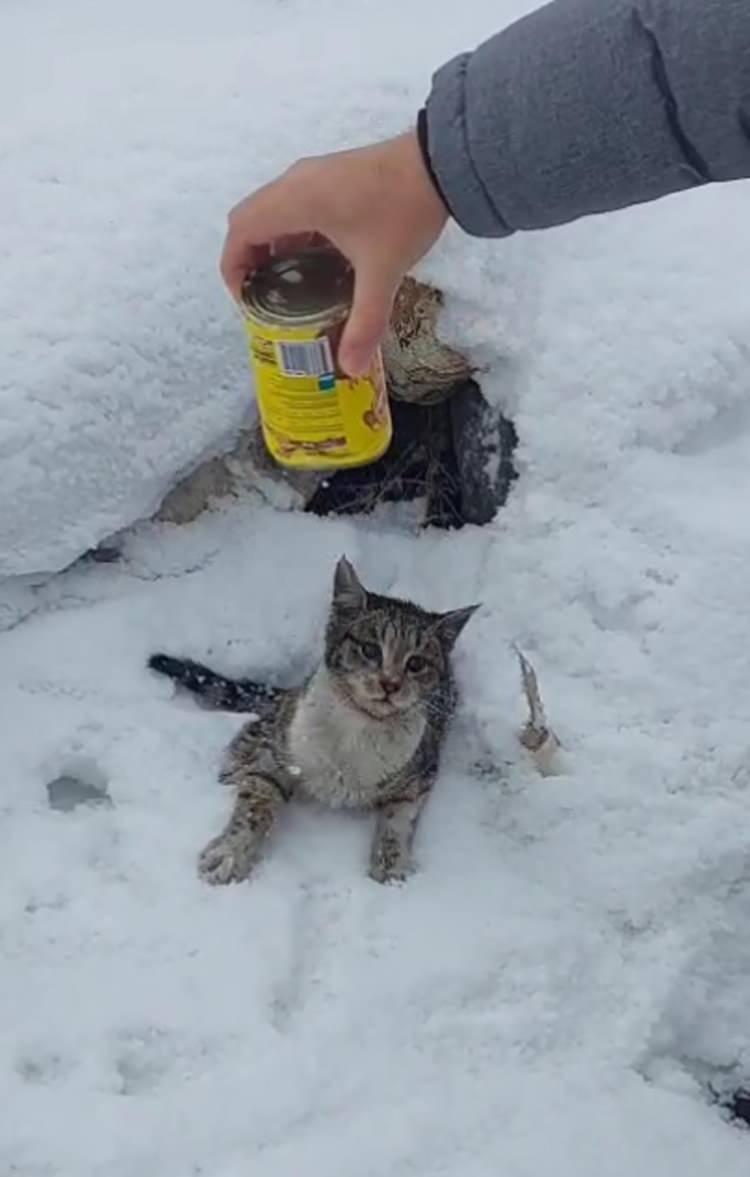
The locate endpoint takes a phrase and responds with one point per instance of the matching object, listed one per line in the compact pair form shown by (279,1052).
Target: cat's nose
(389,685)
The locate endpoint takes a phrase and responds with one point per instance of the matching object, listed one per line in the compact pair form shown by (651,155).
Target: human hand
(377,205)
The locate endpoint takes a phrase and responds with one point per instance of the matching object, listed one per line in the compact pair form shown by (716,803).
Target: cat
(364,731)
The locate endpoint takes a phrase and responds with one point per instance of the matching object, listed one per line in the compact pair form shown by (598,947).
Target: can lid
(317,281)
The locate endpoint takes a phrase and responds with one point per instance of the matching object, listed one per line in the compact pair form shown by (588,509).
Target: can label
(313,416)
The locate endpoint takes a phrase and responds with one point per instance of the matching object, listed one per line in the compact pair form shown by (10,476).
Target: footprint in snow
(702,1040)
(81,783)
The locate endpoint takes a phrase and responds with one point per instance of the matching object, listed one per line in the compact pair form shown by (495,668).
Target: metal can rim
(265,318)
(259,312)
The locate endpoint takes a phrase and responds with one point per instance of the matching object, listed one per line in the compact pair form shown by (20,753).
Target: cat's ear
(449,625)
(348,591)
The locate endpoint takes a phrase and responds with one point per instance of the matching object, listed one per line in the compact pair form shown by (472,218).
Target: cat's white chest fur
(343,756)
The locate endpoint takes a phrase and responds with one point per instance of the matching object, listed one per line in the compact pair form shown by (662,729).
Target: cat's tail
(214,690)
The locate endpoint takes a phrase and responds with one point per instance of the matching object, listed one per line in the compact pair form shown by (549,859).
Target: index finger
(276,211)
(238,259)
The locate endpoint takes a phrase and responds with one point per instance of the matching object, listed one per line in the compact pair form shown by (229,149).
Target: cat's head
(387,656)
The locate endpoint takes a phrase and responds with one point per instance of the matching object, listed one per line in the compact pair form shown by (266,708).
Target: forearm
(586,106)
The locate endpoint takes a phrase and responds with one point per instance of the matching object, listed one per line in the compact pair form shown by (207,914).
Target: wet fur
(364,731)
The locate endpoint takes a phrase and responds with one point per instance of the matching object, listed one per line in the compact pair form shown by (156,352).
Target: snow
(558,986)
(130,135)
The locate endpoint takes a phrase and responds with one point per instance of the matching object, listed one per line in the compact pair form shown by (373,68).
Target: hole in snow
(80,783)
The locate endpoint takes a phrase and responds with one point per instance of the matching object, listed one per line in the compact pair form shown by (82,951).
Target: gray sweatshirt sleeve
(590,105)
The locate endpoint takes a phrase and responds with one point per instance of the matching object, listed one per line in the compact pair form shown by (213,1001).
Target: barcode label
(305,359)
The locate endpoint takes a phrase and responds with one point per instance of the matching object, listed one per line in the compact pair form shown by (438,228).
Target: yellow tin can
(313,415)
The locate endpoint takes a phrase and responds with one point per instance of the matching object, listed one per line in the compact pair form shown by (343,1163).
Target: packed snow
(564,981)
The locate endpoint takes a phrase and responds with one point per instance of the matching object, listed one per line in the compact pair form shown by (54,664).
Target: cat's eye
(416,664)
(371,651)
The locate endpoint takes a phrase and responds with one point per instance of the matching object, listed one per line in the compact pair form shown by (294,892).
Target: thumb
(374,290)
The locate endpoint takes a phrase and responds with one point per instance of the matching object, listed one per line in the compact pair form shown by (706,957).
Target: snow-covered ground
(556,988)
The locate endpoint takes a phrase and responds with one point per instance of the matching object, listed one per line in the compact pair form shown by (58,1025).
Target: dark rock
(105,554)
(456,455)
(739,1105)
(483,443)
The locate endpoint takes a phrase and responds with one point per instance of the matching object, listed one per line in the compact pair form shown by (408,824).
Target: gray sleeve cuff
(586,106)
(460,186)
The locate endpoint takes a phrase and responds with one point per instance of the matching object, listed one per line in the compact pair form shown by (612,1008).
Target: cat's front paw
(227,859)
(387,868)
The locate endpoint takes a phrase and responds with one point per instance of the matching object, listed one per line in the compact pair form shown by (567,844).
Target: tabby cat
(364,731)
